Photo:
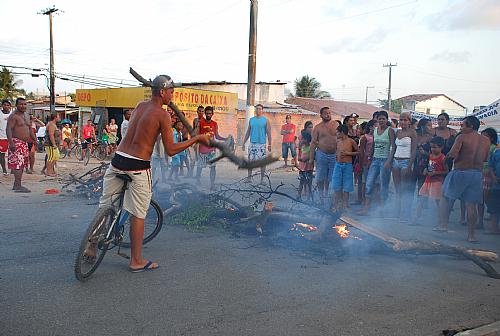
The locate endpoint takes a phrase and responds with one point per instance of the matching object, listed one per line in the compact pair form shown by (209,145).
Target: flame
(342,230)
(303,227)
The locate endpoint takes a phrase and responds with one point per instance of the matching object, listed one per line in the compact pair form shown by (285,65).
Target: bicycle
(75,149)
(107,230)
(101,151)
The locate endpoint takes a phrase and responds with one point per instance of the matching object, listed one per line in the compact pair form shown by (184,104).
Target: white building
(433,104)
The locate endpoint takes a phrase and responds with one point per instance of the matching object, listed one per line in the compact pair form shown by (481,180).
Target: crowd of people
(425,163)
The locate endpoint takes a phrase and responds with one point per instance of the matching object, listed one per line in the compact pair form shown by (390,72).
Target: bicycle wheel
(152,224)
(78,152)
(86,156)
(100,153)
(94,242)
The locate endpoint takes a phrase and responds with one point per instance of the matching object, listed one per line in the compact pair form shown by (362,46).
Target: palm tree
(8,84)
(309,87)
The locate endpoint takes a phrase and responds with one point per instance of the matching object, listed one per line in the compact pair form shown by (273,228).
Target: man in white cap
(133,157)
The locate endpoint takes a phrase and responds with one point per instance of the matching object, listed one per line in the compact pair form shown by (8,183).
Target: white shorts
(256,151)
(137,196)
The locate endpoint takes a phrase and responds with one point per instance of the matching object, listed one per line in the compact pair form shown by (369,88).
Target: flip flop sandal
(145,268)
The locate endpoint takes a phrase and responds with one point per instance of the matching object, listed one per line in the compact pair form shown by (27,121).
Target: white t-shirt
(3,124)
(124,128)
(41,132)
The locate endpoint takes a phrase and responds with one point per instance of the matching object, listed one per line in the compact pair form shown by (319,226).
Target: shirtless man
(323,148)
(133,157)
(465,181)
(18,133)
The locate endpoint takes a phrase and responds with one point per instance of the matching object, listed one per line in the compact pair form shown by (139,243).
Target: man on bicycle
(133,157)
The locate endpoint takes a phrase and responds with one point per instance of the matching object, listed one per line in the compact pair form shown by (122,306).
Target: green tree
(8,84)
(396,105)
(309,87)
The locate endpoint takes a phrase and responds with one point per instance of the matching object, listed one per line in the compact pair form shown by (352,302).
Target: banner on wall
(489,116)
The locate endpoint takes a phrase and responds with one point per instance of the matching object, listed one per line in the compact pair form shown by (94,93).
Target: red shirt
(437,165)
(290,137)
(88,131)
(206,127)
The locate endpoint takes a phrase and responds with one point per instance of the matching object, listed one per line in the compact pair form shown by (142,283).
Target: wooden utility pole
(389,102)
(252,57)
(52,80)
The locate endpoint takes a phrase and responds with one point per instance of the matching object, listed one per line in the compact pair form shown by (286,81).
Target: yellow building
(102,105)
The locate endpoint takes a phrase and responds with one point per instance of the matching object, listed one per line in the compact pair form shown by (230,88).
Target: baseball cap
(164,82)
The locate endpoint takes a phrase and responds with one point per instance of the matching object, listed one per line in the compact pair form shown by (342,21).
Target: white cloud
(356,44)
(452,56)
(467,15)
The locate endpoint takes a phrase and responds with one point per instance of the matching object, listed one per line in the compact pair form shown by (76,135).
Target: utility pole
(49,12)
(366,93)
(252,57)
(389,103)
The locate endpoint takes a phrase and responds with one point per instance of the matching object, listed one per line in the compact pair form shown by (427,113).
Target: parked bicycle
(107,230)
(102,151)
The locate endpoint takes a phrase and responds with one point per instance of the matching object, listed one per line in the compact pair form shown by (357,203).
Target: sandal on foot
(146,267)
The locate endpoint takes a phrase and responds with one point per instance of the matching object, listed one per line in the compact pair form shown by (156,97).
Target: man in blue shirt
(258,130)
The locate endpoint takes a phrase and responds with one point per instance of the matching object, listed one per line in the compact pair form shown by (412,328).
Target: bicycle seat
(124,177)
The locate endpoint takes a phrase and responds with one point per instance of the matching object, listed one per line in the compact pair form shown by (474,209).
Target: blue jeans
(325,163)
(377,172)
(285,146)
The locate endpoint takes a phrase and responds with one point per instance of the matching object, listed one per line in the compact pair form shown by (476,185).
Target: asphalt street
(215,284)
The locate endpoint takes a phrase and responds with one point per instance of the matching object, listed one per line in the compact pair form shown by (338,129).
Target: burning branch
(226,152)
(479,257)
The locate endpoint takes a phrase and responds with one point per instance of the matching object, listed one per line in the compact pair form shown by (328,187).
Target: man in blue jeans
(288,132)
(323,150)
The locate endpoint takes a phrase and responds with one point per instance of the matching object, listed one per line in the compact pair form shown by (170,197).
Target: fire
(342,230)
(303,227)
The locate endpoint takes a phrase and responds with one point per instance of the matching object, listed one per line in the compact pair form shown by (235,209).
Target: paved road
(214,284)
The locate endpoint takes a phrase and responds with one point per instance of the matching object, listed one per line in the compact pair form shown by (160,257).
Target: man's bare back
(470,151)
(145,125)
(325,136)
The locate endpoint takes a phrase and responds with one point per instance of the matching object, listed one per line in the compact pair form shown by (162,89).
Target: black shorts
(85,142)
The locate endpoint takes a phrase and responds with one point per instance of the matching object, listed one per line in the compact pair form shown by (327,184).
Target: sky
(439,46)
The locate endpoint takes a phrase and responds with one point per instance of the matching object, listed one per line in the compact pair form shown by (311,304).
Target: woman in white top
(406,146)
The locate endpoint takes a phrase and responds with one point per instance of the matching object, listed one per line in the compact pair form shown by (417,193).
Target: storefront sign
(186,99)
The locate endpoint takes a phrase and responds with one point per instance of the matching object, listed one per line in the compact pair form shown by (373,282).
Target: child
(342,179)
(435,172)
(365,150)
(493,200)
(305,167)
(176,159)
